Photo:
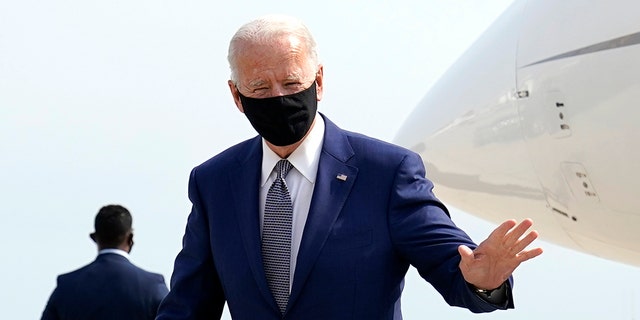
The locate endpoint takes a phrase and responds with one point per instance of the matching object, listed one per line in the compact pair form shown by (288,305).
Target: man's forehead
(266,79)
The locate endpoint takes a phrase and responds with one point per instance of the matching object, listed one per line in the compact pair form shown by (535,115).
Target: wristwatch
(485,292)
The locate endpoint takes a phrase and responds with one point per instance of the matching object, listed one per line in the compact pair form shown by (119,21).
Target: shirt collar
(116,251)
(305,158)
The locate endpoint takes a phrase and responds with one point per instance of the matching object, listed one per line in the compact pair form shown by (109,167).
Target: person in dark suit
(110,287)
(346,213)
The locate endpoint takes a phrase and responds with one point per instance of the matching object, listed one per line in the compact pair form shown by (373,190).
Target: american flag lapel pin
(342,177)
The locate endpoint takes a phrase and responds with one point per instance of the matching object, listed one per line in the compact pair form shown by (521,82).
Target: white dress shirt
(300,181)
(116,251)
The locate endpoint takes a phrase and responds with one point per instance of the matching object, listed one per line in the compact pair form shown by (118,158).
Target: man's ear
(319,79)
(236,95)
(93,237)
(130,241)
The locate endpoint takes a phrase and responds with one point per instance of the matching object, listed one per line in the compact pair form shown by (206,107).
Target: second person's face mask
(282,120)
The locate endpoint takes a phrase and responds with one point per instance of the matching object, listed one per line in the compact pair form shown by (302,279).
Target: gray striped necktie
(276,236)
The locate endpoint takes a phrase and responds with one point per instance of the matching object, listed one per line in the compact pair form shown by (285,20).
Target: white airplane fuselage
(538,119)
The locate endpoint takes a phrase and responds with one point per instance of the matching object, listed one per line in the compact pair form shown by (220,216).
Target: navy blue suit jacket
(109,288)
(360,237)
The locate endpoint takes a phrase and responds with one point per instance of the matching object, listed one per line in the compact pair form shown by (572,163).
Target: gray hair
(265,29)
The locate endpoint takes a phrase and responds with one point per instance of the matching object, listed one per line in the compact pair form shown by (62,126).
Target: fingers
(502,229)
(515,233)
(512,240)
(521,244)
(526,255)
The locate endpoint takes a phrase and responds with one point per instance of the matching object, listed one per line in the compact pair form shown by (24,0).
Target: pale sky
(115,101)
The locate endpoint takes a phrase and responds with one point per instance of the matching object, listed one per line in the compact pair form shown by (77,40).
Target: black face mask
(282,120)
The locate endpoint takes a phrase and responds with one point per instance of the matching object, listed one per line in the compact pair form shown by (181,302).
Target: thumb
(466,253)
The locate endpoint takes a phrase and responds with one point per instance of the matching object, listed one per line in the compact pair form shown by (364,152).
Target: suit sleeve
(196,292)
(424,234)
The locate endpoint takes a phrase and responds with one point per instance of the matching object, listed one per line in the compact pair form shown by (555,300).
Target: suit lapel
(333,183)
(245,180)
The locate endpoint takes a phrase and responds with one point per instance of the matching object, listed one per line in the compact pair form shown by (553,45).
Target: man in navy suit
(110,287)
(361,210)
